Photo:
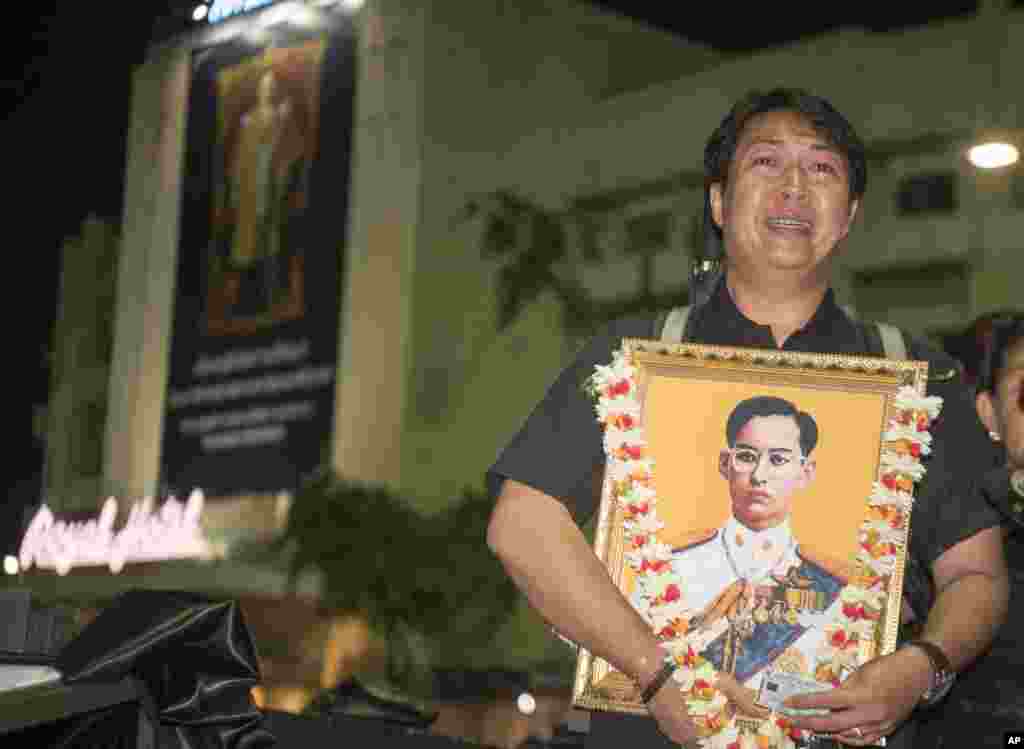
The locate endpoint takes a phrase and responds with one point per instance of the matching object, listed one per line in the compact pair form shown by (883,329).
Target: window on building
(927,300)
(648,233)
(927,193)
(1017,189)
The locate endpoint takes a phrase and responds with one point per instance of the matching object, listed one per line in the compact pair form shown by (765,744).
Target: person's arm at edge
(972,596)
(972,585)
(549,559)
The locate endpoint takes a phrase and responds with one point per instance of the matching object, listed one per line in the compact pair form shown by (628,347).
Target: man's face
(764,468)
(787,204)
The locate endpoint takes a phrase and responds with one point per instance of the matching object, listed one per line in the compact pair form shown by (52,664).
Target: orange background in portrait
(684,422)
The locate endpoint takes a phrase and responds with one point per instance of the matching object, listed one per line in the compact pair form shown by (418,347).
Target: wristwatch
(943,674)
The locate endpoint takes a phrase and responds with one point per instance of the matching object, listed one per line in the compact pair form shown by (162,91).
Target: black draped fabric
(193,657)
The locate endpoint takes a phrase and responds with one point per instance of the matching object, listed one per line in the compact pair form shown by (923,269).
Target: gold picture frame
(846,509)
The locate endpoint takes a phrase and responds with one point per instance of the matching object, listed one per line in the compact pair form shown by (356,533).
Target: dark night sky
(65,89)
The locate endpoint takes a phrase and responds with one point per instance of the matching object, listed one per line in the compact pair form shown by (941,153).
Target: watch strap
(667,669)
(942,671)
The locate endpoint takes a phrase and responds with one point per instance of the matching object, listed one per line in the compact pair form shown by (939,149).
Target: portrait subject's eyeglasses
(747,459)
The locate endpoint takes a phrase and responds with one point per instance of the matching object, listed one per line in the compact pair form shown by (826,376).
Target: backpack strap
(883,339)
(673,328)
(893,344)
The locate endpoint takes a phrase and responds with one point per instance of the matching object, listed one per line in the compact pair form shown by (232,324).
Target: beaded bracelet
(659,680)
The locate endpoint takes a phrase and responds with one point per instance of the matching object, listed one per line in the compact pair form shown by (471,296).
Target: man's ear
(808,471)
(854,205)
(987,411)
(715,196)
(724,459)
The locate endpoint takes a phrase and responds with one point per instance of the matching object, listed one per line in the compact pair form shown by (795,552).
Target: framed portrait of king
(755,510)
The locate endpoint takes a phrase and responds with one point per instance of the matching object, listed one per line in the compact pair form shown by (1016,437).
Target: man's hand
(873,702)
(744,699)
(668,708)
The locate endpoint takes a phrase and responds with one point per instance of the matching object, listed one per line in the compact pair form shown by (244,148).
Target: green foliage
(399,568)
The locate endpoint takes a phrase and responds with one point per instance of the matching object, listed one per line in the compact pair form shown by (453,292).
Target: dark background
(65,97)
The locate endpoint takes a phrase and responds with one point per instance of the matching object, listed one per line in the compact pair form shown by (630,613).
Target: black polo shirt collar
(720,322)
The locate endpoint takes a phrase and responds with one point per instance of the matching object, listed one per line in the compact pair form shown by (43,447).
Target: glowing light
(993,155)
(352,5)
(11,566)
(526,703)
(199,13)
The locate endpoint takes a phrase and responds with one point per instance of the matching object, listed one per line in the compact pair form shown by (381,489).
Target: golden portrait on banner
(267,122)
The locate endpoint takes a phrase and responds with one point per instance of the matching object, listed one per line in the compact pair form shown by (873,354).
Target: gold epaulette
(834,566)
(693,538)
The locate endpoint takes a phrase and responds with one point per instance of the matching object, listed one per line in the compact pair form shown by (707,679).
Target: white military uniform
(718,560)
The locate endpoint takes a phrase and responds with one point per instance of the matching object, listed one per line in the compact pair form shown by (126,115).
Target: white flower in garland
(911,434)
(622,470)
(657,586)
(882,531)
(668,613)
(908,399)
(856,595)
(620,411)
(652,552)
(616,440)
(880,565)
(907,465)
(725,738)
(637,494)
(882,495)
(647,524)
(685,678)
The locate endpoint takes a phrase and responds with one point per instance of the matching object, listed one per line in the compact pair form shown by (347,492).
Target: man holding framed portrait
(785,175)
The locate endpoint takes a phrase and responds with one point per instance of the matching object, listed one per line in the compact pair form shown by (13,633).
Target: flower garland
(881,535)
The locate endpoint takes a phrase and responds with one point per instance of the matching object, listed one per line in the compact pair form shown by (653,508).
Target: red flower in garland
(638,509)
(922,423)
(889,482)
(672,593)
(838,639)
(854,611)
(653,566)
(915,449)
(634,452)
(619,388)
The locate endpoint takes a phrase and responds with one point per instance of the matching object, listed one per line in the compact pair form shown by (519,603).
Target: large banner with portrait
(250,397)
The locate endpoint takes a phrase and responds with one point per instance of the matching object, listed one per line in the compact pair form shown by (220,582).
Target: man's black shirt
(560,446)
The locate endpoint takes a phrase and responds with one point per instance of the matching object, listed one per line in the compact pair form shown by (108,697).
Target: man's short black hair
(767,405)
(1006,333)
(826,119)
